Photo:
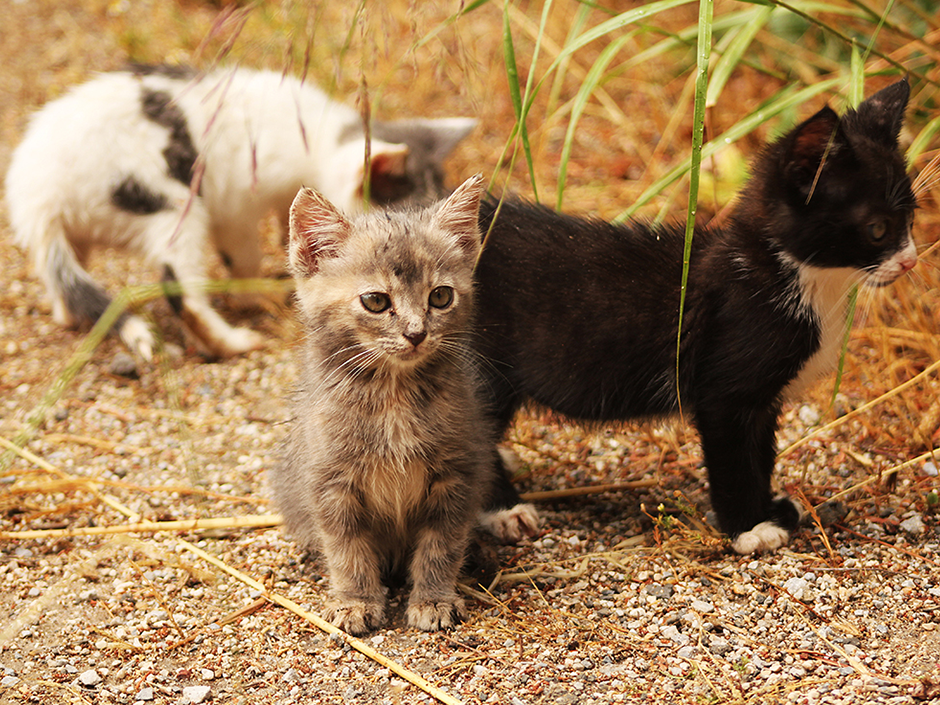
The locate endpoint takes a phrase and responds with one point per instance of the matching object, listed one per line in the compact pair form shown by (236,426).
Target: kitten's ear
(883,113)
(460,214)
(388,172)
(436,137)
(820,137)
(316,230)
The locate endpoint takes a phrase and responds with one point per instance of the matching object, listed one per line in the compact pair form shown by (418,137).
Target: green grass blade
(622,20)
(590,82)
(743,37)
(558,84)
(923,140)
(703,54)
(784,100)
(515,93)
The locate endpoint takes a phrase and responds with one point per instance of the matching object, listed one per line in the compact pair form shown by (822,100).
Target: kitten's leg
(77,299)
(440,547)
(178,239)
(506,516)
(239,246)
(739,447)
(357,596)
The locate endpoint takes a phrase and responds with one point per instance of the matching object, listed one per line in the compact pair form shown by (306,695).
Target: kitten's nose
(416,338)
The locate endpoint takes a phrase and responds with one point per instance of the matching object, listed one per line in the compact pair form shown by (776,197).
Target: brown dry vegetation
(188,440)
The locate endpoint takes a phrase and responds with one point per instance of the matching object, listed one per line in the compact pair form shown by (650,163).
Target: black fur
(175,300)
(581,315)
(180,154)
(84,299)
(133,196)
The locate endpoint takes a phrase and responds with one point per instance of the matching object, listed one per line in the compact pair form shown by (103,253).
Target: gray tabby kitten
(388,456)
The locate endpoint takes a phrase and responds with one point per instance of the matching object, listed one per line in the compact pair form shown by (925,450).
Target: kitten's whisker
(927,177)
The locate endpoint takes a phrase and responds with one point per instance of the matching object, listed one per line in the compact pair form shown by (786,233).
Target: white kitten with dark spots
(161,161)
(389,453)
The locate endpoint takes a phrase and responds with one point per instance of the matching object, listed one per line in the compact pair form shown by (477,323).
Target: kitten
(389,453)
(581,316)
(159,160)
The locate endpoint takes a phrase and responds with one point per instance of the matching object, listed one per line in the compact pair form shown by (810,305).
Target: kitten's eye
(441,297)
(877,230)
(375,301)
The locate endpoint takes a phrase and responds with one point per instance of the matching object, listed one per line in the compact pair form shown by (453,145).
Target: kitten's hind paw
(434,615)
(510,525)
(355,617)
(764,537)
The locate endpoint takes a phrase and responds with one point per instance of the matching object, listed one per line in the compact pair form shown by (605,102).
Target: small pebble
(195,694)
(123,365)
(913,525)
(796,587)
(89,678)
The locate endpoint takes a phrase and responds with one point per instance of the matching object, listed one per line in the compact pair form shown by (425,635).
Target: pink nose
(908,263)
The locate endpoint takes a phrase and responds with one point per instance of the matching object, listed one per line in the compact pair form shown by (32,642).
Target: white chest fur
(820,295)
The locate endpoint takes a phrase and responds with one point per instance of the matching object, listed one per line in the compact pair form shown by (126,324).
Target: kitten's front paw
(510,525)
(136,334)
(355,616)
(764,537)
(432,616)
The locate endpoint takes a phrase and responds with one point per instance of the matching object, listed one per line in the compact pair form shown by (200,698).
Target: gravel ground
(626,595)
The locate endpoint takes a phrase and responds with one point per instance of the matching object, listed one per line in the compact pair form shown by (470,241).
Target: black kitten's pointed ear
(317,229)
(882,114)
(459,214)
(818,138)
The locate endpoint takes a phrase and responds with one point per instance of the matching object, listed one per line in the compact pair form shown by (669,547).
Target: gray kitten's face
(406,304)
(386,290)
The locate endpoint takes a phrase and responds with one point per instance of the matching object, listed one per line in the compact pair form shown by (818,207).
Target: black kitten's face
(849,202)
(859,216)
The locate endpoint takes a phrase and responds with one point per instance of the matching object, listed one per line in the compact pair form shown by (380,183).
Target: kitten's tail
(76,298)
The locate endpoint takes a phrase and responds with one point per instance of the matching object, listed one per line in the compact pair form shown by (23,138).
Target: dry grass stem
(251,521)
(554,495)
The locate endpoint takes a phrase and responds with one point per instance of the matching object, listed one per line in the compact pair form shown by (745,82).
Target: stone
(913,525)
(195,694)
(89,678)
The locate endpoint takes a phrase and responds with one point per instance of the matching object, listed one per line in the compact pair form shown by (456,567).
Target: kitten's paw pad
(136,335)
(764,537)
(355,617)
(510,525)
(432,616)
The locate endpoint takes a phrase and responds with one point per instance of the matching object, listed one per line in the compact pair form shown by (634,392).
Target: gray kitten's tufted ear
(317,229)
(459,214)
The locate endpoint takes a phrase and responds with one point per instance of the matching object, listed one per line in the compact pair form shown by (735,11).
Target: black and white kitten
(162,161)
(581,315)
